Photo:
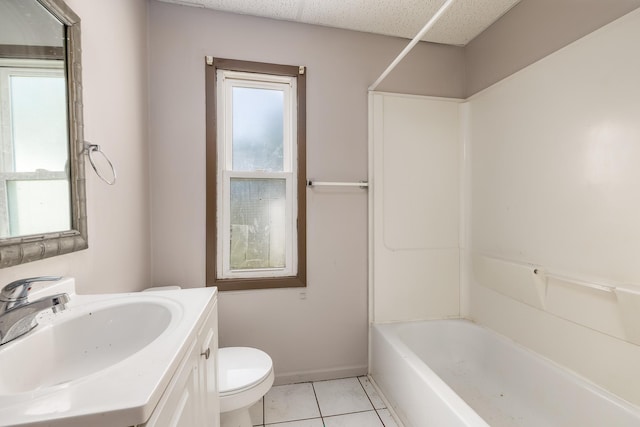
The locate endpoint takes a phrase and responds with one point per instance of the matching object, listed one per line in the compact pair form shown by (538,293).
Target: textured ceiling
(464,20)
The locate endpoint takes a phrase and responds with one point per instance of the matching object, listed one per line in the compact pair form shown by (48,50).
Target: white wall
(415,210)
(319,332)
(555,150)
(114,59)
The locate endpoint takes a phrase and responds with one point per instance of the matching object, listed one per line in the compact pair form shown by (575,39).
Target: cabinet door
(181,404)
(191,399)
(209,371)
(186,412)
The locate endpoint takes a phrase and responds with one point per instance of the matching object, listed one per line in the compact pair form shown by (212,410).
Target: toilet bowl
(244,375)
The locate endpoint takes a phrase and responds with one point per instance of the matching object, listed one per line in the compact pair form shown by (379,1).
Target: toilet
(244,375)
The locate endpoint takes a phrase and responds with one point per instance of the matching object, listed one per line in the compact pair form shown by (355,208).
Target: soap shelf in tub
(613,309)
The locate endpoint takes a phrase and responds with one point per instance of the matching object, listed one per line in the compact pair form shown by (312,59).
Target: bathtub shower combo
(456,373)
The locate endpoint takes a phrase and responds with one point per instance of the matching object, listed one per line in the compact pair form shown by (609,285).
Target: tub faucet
(18,314)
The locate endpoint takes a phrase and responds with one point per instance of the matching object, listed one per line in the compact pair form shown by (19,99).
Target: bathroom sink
(106,360)
(80,342)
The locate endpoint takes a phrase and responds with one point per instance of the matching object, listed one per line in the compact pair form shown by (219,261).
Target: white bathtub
(448,373)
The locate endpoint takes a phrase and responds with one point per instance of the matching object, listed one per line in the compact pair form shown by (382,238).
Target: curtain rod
(412,43)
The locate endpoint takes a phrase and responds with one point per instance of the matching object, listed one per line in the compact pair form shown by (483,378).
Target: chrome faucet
(18,314)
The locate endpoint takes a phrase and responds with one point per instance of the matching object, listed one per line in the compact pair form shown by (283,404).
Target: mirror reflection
(35,192)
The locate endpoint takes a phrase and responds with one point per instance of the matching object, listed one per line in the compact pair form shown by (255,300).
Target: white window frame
(10,67)
(226,81)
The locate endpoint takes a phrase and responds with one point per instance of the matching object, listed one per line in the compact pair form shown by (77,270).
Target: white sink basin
(80,344)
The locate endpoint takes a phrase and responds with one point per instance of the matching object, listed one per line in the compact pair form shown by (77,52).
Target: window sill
(258,283)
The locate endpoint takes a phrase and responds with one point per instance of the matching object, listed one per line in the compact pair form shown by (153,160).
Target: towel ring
(93,148)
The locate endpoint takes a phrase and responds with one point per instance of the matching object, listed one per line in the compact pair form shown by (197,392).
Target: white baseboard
(320,375)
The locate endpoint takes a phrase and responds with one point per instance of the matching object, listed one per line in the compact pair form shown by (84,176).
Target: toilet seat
(241,368)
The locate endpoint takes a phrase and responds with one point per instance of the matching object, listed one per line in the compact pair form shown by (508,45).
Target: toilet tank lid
(162,288)
(241,367)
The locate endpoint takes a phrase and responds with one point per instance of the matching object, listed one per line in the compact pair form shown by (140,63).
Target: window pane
(258,125)
(41,100)
(28,200)
(258,213)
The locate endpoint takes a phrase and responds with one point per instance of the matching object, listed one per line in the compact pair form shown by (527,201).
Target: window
(256,204)
(33,175)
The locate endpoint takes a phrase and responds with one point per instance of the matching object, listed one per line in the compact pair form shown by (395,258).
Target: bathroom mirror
(42,193)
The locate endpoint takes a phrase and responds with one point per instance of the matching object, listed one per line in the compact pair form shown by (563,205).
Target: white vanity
(134,359)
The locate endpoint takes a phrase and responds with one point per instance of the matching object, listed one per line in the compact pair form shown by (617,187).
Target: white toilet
(244,375)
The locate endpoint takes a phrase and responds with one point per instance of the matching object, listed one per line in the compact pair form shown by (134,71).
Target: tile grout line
(290,421)
(313,387)
(350,413)
(366,394)
(371,401)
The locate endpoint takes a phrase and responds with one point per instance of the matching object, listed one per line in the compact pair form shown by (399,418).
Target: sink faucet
(18,314)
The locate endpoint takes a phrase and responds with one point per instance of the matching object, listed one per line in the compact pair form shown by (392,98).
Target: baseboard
(320,375)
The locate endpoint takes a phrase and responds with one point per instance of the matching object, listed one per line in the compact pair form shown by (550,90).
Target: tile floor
(349,402)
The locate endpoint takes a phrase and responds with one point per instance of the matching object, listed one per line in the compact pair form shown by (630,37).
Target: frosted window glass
(257,223)
(38,206)
(41,100)
(258,126)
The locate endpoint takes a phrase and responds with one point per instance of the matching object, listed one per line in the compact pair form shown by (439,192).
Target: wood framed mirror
(42,177)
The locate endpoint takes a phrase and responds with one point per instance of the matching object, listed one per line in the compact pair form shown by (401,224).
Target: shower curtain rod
(412,43)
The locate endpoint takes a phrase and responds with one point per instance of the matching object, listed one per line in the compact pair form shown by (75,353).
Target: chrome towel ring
(90,149)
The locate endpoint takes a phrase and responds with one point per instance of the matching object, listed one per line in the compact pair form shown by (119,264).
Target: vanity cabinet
(191,399)
(129,359)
